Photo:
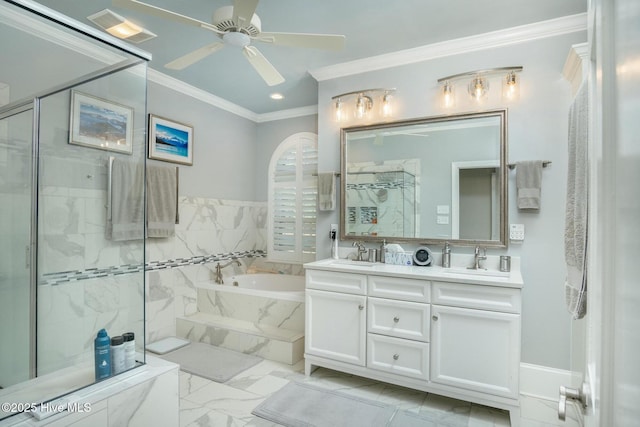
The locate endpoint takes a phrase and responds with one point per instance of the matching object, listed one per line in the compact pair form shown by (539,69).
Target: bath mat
(215,363)
(166,345)
(304,405)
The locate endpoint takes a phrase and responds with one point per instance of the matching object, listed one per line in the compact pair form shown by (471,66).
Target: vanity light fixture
(478,86)
(120,27)
(363,104)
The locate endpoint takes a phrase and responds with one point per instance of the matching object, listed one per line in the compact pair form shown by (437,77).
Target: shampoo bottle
(117,354)
(129,350)
(102,353)
(334,244)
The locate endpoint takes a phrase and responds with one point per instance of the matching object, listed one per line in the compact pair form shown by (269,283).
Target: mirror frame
(502,190)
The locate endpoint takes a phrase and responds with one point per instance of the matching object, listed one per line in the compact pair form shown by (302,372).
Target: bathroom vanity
(453,332)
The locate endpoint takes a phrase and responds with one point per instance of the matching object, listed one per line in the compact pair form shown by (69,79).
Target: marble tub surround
(234,318)
(147,395)
(210,230)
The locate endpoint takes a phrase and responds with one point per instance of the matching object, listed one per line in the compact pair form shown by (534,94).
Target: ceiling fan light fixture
(236,39)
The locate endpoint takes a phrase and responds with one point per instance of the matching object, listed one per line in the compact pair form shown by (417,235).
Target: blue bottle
(102,351)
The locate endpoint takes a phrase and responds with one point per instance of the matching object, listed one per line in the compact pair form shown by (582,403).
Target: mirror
(426,180)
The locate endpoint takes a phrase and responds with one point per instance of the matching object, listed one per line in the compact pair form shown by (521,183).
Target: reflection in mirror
(426,180)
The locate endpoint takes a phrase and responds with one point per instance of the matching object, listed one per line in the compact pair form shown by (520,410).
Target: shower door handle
(27,256)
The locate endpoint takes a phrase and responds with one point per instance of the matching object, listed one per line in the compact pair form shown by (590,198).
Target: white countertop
(457,273)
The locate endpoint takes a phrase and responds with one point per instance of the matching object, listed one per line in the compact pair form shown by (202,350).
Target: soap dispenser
(446,255)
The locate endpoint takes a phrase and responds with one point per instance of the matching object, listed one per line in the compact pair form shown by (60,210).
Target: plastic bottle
(117,354)
(129,350)
(102,352)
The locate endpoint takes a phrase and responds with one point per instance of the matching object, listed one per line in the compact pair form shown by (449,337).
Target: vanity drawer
(493,298)
(399,318)
(398,356)
(399,288)
(347,283)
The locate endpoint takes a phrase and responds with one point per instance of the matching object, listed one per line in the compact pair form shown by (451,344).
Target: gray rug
(304,405)
(215,363)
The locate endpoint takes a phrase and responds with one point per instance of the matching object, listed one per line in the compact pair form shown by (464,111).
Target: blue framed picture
(170,141)
(102,124)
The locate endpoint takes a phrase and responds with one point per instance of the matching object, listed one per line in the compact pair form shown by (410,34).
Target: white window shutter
(293,200)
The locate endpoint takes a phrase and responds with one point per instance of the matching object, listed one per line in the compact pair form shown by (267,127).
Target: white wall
(537,129)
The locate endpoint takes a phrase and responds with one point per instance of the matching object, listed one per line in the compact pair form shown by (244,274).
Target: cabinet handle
(434,317)
(361,307)
(396,356)
(396,319)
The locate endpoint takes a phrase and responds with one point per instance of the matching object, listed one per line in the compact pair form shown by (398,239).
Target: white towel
(529,184)
(327,191)
(162,193)
(127,201)
(575,235)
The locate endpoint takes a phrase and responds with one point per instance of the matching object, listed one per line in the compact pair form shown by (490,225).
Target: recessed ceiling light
(277,96)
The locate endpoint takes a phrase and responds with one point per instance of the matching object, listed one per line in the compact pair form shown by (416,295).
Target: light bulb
(387,110)
(363,105)
(447,95)
(339,111)
(510,87)
(478,88)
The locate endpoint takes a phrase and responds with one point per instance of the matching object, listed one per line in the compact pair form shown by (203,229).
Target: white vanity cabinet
(475,334)
(424,328)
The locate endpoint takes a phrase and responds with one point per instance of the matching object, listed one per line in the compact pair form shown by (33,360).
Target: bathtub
(275,286)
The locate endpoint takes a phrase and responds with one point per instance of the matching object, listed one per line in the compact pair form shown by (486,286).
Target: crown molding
(207,97)
(494,39)
(576,67)
(199,94)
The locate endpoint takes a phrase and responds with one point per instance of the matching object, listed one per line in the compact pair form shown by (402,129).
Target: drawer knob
(396,356)
(361,307)
(396,319)
(434,317)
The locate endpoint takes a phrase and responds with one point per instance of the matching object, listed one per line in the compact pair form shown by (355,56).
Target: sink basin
(473,272)
(352,262)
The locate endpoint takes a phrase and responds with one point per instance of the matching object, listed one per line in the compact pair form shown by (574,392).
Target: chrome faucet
(219,270)
(361,250)
(477,258)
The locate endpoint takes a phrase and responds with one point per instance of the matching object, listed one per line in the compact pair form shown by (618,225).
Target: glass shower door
(16,128)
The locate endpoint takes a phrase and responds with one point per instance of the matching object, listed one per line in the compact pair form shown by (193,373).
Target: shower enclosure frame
(33,104)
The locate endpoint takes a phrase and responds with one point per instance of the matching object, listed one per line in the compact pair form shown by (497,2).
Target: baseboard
(543,382)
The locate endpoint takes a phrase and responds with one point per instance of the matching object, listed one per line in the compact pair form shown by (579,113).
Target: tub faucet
(219,270)
(477,258)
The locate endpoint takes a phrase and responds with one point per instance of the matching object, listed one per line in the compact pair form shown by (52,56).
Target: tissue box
(398,258)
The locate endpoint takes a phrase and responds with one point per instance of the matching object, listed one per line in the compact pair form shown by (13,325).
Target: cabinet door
(475,349)
(335,326)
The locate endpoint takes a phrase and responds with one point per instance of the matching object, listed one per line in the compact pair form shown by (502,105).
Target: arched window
(293,199)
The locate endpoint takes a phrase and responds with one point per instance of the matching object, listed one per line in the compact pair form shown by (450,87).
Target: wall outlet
(516,232)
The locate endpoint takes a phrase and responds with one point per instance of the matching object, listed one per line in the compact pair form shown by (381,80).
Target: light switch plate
(442,209)
(442,219)
(516,232)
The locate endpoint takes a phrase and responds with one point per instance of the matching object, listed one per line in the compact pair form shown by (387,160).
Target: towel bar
(545,163)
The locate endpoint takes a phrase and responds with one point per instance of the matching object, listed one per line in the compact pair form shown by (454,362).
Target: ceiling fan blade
(267,71)
(163,13)
(195,56)
(243,11)
(318,41)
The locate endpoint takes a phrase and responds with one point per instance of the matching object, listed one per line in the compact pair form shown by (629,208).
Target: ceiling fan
(238,25)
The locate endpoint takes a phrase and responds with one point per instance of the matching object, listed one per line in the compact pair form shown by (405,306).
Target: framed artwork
(102,124)
(170,141)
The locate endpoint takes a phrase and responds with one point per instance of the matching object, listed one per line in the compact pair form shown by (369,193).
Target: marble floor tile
(205,403)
